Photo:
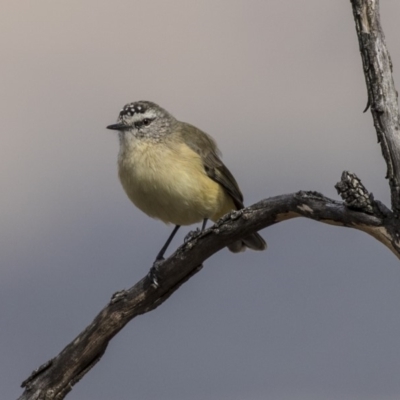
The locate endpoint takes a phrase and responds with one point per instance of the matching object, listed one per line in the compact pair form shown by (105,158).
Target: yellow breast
(168,182)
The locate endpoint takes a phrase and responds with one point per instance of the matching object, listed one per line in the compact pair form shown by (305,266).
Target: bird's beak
(118,127)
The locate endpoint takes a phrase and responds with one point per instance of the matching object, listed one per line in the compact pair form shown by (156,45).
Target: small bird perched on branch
(172,171)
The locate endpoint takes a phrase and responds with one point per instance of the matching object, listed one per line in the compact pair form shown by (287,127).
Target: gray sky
(280,86)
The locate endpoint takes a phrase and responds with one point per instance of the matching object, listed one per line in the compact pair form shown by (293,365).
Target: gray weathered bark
(359,210)
(382,95)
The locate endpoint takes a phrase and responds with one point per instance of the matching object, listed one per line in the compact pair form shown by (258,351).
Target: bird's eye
(146,121)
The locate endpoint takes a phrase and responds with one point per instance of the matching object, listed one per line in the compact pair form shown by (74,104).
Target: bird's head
(143,119)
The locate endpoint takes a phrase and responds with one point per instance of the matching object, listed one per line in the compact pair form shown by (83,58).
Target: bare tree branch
(382,94)
(54,379)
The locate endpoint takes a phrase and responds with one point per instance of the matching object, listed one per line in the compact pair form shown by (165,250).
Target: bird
(173,172)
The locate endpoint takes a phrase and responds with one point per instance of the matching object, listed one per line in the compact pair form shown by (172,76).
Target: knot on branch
(354,193)
(119,296)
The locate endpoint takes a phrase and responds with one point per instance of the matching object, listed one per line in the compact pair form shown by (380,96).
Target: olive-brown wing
(206,147)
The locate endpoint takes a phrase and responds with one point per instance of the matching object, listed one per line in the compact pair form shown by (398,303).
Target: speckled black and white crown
(143,114)
(137,107)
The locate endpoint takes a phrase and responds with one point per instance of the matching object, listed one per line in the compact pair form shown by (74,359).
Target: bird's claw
(192,235)
(154,272)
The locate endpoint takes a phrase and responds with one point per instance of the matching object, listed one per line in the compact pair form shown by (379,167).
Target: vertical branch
(382,94)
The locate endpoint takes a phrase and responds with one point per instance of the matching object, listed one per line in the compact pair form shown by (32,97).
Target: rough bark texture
(359,210)
(56,378)
(382,95)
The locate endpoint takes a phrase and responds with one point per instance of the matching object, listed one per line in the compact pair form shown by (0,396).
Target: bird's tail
(253,242)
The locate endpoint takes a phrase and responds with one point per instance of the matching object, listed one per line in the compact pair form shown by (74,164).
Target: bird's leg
(160,256)
(194,234)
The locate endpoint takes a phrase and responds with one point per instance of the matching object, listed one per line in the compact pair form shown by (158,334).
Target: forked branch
(382,94)
(359,210)
(56,378)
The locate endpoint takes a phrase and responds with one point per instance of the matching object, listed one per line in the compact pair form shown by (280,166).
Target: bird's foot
(154,272)
(192,235)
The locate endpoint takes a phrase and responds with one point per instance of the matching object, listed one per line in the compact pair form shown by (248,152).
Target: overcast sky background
(279,85)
